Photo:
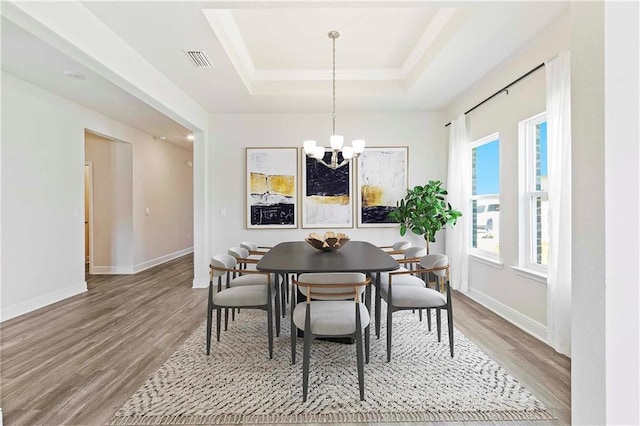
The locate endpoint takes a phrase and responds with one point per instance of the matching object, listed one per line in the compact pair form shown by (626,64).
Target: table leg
(378,305)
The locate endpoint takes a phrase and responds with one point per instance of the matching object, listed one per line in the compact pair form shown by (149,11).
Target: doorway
(88,215)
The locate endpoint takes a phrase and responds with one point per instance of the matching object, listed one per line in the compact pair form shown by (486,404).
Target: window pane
(485,233)
(540,215)
(541,157)
(486,168)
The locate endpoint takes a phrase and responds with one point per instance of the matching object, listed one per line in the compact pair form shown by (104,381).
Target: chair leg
(438,323)
(389,328)
(209,318)
(294,332)
(226,318)
(283,293)
(378,311)
(450,326)
(306,354)
(429,318)
(420,314)
(359,355)
(367,342)
(218,321)
(277,302)
(270,328)
(233,314)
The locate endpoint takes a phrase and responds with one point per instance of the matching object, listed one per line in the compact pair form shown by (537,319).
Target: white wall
(519,298)
(588,367)
(424,133)
(112,204)
(43,196)
(622,170)
(163,183)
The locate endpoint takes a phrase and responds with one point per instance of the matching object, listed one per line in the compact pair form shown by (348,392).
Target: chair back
(401,245)
(221,263)
(238,252)
(431,261)
(412,256)
(333,285)
(416,251)
(249,246)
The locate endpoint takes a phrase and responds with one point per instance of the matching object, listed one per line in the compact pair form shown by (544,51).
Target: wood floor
(77,361)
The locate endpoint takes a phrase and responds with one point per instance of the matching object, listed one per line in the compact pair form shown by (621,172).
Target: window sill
(530,273)
(494,263)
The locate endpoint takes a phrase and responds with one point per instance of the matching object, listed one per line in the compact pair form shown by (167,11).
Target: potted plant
(424,211)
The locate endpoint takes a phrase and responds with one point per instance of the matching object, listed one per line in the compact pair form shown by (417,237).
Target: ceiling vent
(198,58)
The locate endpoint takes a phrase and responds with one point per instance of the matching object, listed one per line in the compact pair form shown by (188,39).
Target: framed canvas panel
(272,187)
(383,179)
(327,195)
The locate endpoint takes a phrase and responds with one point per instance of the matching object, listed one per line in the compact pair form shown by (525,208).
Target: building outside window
(534,204)
(485,196)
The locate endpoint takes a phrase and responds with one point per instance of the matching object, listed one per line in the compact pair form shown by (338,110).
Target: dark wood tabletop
(301,257)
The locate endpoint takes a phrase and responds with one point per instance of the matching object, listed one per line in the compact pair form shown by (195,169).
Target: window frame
(528,194)
(476,251)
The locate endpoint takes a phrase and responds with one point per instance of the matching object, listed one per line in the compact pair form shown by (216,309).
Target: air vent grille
(198,58)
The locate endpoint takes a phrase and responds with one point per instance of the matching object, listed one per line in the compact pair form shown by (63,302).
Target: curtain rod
(504,89)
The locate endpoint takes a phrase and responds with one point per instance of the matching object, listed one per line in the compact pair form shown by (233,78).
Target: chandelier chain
(333,116)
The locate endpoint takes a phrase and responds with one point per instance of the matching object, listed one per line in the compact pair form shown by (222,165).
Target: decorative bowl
(331,241)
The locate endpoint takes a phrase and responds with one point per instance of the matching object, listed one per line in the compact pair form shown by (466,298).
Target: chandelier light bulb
(347,153)
(309,147)
(318,152)
(336,142)
(358,146)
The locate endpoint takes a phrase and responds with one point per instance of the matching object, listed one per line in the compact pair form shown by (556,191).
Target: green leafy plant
(424,211)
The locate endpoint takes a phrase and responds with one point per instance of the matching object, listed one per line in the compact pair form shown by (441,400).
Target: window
(534,207)
(485,196)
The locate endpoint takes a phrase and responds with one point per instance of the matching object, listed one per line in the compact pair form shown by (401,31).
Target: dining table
(297,257)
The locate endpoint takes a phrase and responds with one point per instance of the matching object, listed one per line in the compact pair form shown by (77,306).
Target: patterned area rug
(239,384)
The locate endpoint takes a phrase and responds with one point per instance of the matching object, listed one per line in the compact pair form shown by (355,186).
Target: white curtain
(558,72)
(459,189)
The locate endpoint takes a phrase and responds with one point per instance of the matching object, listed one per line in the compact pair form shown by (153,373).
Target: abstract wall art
(272,176)
(327,195)
(382,181)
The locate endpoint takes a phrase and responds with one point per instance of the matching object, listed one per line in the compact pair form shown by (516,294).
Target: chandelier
(312,150)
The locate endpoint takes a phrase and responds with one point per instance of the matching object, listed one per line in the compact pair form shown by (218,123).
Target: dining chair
(404,297)
(332,309)
(242,278)
(254,296)
(396,248)
(256,252)
(412,256)
(254,248)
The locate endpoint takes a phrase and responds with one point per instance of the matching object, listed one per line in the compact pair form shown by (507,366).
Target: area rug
(239,384)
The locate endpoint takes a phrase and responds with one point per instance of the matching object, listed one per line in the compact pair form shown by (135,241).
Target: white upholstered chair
(403,297)
(332,309)
(245,296)
(412,256)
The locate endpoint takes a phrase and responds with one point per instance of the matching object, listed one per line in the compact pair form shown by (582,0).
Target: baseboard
(116,270)
(160,260)
(41,301)
(528,325)
(200,282)
(110,270)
